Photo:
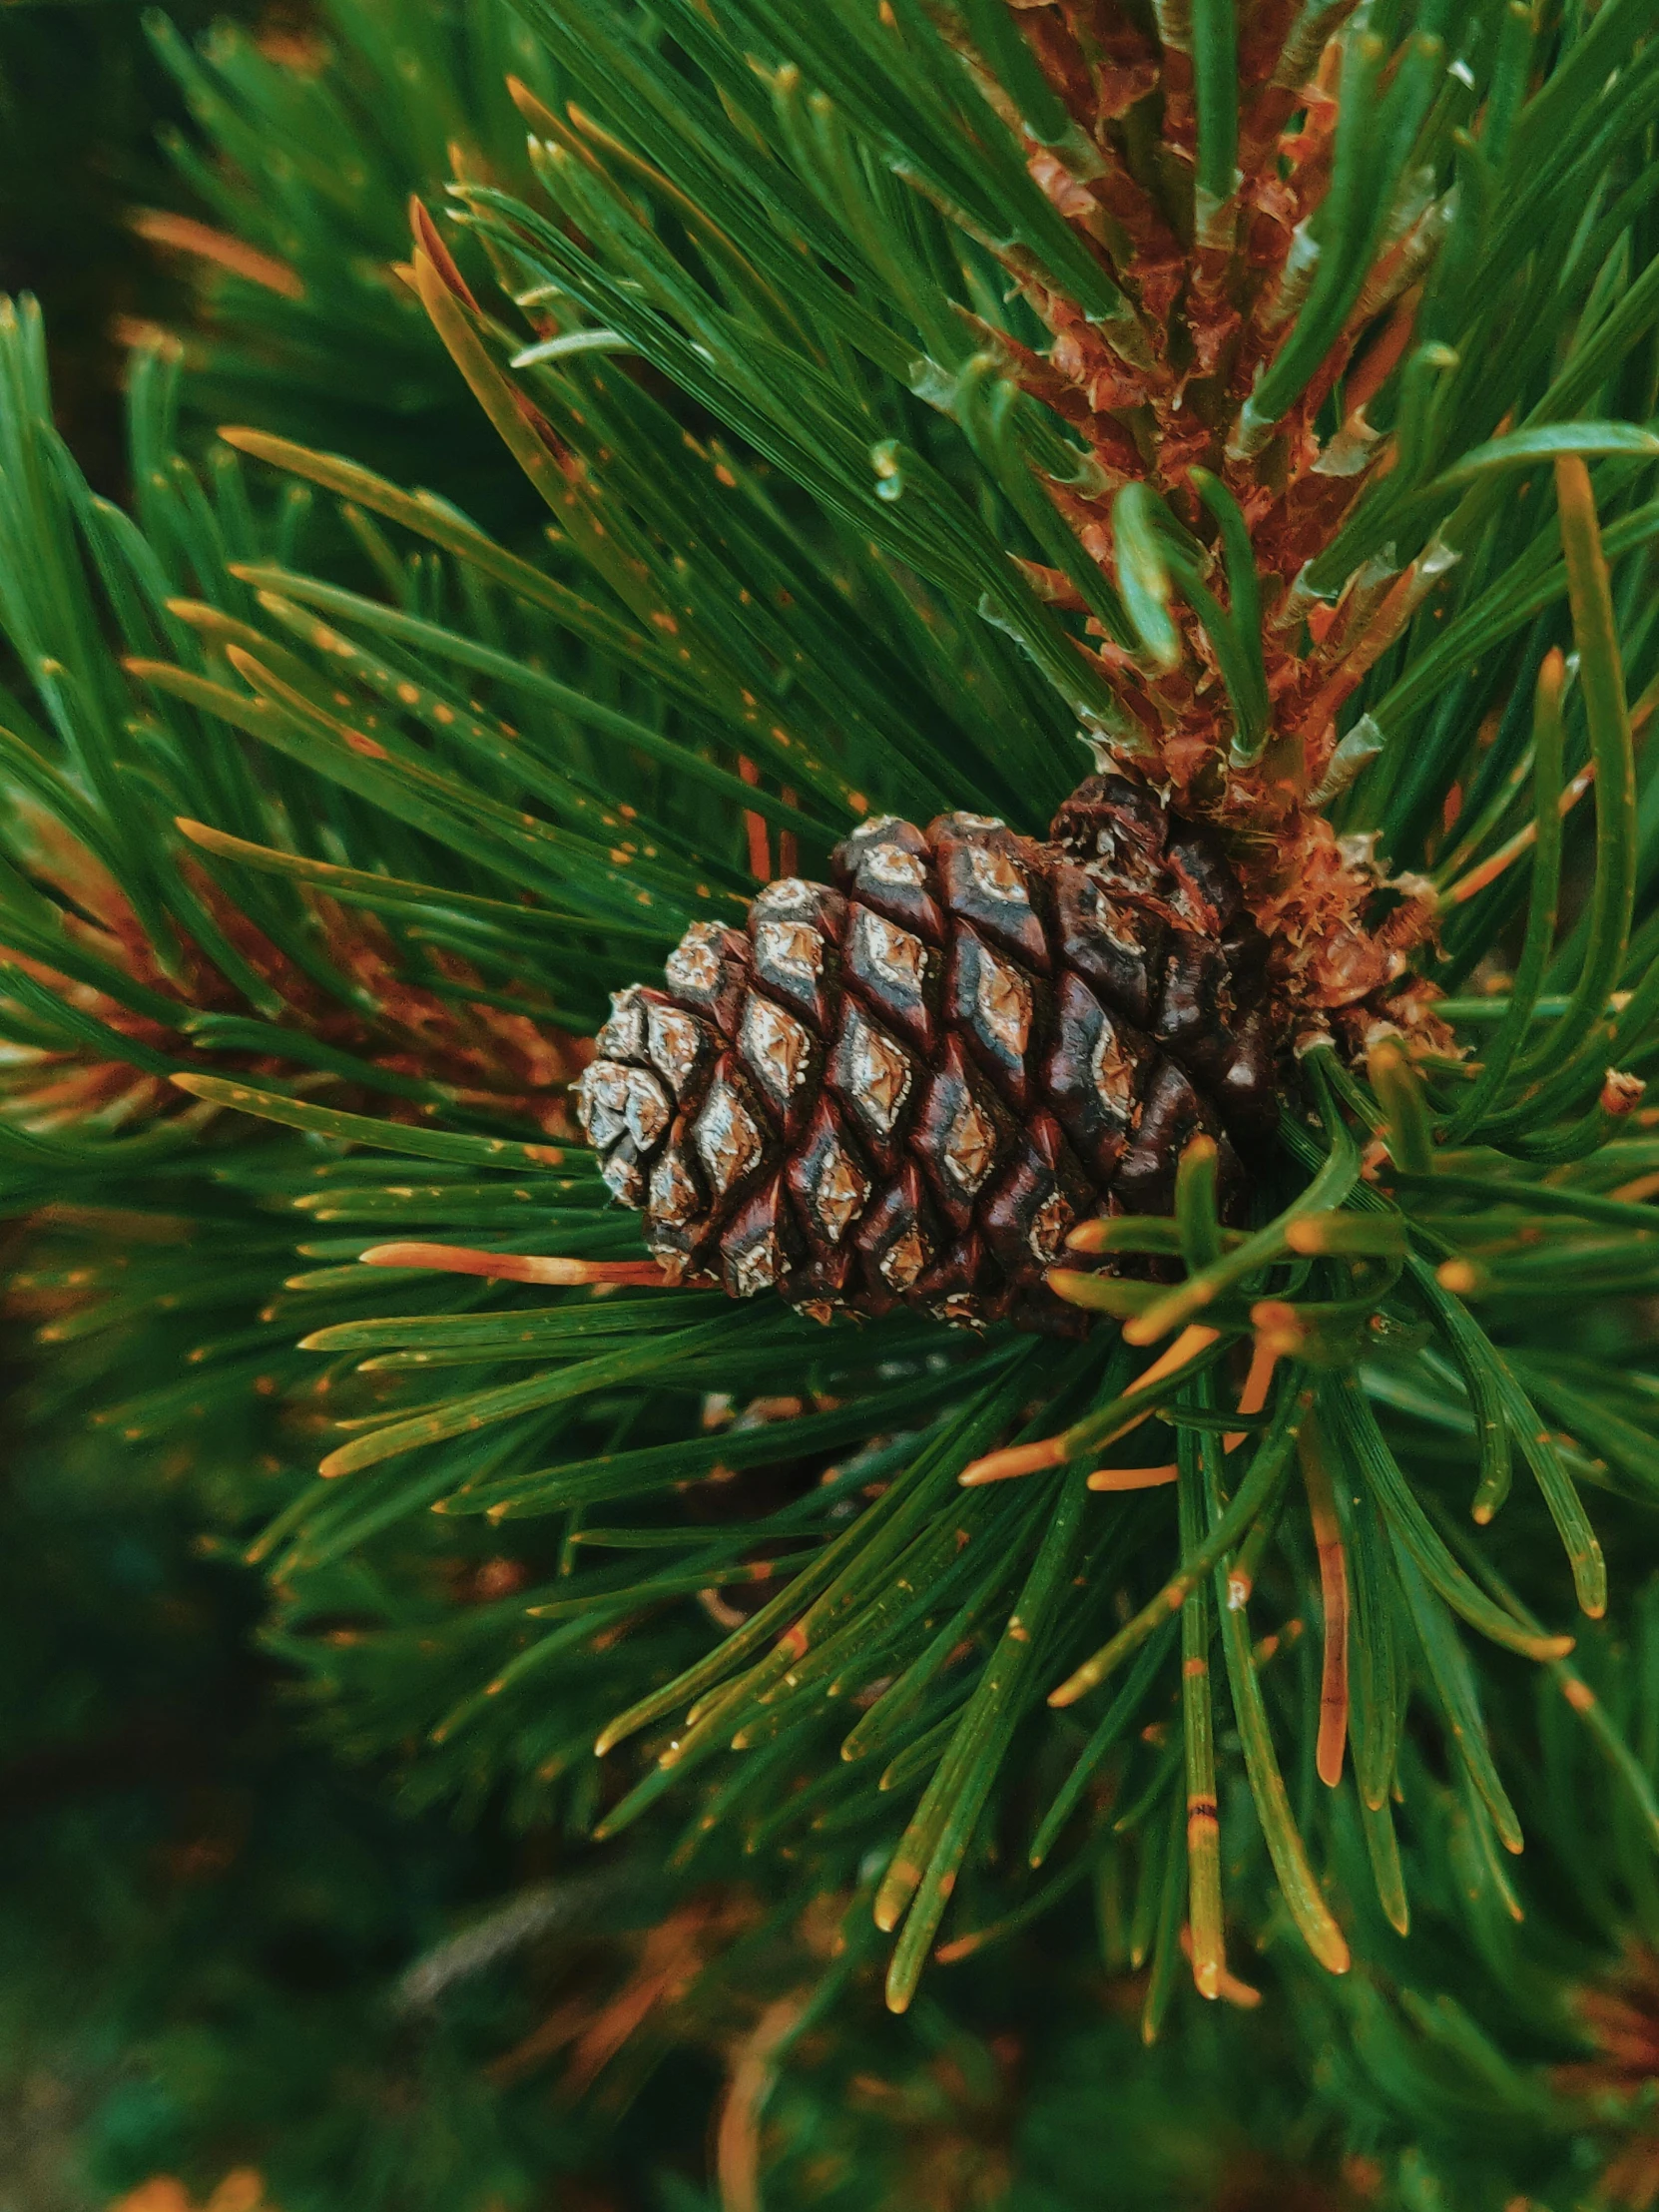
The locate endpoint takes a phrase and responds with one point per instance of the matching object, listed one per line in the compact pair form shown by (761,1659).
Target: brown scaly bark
(1212,294)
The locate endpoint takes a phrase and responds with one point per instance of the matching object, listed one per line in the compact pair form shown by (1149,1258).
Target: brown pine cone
(910,1086)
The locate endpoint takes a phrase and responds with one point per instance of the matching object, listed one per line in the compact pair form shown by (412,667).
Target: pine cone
(910,1086)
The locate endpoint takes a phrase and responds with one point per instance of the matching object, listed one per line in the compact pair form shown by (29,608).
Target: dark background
(81,99)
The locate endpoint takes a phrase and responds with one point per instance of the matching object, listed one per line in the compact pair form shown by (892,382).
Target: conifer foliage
(927,408)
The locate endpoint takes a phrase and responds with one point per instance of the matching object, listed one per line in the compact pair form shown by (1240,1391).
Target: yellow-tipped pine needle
(514,1267)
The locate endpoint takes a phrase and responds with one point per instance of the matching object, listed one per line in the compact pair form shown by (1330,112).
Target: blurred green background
(82,99)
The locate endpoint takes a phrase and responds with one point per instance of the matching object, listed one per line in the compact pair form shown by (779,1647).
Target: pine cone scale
(909,1086)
